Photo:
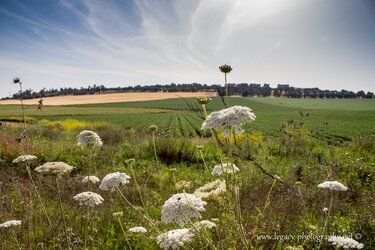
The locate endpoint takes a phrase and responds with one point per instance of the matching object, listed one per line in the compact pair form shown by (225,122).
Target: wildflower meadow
(104,186)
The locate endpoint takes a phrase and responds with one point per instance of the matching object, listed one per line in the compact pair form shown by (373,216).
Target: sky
(76,43)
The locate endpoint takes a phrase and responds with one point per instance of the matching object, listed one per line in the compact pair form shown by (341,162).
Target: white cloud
(174,41)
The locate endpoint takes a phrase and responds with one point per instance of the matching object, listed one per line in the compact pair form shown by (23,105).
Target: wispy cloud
(163,41)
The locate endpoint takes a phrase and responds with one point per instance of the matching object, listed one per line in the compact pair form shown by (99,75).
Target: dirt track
(108,98)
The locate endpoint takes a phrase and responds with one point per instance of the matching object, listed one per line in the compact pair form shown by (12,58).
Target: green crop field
(335,118)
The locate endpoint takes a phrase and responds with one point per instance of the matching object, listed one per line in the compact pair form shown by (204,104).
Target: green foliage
(301,155)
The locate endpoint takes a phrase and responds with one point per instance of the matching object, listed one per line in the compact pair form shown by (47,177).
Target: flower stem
(62,212)
(268,196)
(204,109)
(38,195)
(15,238)
(204,162)
(87,226)
(155,154)
(123,231)
(137,186)
(145,216)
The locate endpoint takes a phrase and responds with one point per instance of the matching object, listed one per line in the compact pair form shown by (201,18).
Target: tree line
(242,89)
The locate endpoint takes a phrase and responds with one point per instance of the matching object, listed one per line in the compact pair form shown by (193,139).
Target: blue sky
(74,43)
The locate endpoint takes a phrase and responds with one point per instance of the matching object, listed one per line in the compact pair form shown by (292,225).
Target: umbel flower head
(153,128)
(113,180)
(89,138)
(141,230)
(203,100)
(182,185)
(90,199)
(227,168)
(333,185)
(211,190)
(93,179)
(23,158)
(345,242)
(10,223)
(118,214)
(203,224)
(59,168)
(175,238)
(234,117)
(180,208)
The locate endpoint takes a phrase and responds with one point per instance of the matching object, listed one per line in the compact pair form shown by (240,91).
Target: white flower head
(182,185)
(235,117)
(180,208)
(113,180)
(10,223)
(59,168)
(23,158)
(90,199)
(325,210)
(141,230)
(344,242)
(227,168)
(89,138)
(175,238)
(203,224)
(333,185)
(93,179)
(211,190)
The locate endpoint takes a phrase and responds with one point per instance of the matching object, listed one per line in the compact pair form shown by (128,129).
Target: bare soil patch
(109,98)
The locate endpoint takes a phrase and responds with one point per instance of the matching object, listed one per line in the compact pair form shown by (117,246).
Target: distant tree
(361,94)
(369,95)
(225,69)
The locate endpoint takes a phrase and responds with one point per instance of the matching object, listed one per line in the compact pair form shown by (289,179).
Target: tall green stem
(24,133)
(226,84)
(204,162)
(268,196)
(155,153)
(15,238)
(125,235)
(236,192)
(38,195)
(137,186)
(62,213)
(145,216)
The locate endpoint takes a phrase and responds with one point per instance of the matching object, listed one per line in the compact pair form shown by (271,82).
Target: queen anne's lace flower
(10,223)
(211,190)
(180,208)
(113,180)
(333,185)
(89,138)
(175,238)
(93,179)
(345,242)
(88,199)
(141,230)
(233,117)
(182,185)
(227,168)
(204,224)
(59,168)
(23,158)
(203,100)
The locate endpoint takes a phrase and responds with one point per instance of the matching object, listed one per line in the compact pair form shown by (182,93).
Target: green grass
(336,117)
(292,205)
